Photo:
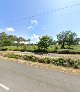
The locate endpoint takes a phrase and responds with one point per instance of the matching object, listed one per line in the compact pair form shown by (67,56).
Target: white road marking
(5,87)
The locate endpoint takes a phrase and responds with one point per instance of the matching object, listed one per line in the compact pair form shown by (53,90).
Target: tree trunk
(62,46)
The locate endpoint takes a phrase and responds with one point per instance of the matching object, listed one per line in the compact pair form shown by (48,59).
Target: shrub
(77,64)
(64,51)
(58,61)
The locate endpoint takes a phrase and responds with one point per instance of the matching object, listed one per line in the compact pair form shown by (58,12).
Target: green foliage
(30,48)
(8,40)
(14,56)
(45,42)
(58,61)
(53,48)
(66,38)
(64,51)
(68,51)
(67,43)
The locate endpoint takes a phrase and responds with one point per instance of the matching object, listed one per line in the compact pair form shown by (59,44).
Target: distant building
(22,42)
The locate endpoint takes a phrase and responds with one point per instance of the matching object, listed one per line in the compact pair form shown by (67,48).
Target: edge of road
(41,65)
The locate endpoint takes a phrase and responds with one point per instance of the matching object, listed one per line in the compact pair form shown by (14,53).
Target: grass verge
(41,65)
(31,61)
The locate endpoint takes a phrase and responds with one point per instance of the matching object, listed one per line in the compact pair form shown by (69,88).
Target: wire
(39,14)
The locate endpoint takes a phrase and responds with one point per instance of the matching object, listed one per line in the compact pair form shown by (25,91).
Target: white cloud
(35,38)
(30,27)
(10,29)
(34,22)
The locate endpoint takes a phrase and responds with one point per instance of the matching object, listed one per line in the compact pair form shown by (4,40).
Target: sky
(33,18)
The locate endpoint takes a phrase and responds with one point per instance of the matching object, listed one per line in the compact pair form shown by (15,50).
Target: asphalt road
(16,77)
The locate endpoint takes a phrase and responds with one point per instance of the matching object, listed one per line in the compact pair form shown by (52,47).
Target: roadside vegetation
(67,43)
(65,62)
(51,49)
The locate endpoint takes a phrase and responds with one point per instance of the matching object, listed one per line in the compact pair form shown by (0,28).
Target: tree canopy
(8,40)
(67,38)
(45,42)
(63,38)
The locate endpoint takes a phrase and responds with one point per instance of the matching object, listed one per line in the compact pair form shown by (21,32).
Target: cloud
(34,22)
(35,38)
(30,27)
(10,29)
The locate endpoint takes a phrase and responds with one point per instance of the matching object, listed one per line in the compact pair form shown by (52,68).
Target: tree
(77,41)
(28,40)
(8,40)
(45,42)
(66,38)
(3,38)
(20,39)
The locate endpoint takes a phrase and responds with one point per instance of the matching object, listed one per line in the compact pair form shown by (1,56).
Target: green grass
(20,48)
(52,49)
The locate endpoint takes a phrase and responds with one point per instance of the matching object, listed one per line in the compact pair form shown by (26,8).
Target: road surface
(16,77)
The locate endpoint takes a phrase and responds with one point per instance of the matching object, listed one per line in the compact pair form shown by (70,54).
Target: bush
(77,64)
(3,49)
(14,56)
(58,61)
(64,51)
(67,51)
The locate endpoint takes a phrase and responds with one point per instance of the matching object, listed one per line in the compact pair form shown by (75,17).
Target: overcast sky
(16,17)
